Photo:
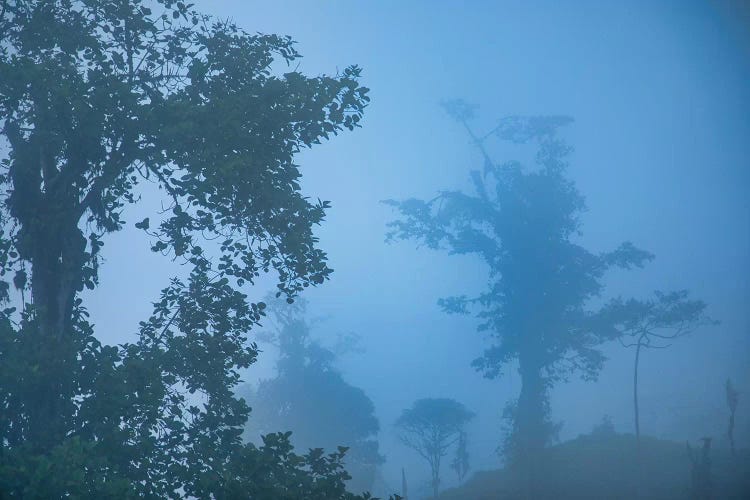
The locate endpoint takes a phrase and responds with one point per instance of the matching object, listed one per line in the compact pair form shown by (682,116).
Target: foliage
(654,322)
(269,472)
(524,224)
(97,96)
(310,397)
(430,427)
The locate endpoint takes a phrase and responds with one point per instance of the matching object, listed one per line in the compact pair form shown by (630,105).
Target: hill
(603,466)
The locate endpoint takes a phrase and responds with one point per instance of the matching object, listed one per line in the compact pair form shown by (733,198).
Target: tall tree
(654,324)
(404,486)
(97,96)
(733,397)
(310,397)
(524,223)
(430,427)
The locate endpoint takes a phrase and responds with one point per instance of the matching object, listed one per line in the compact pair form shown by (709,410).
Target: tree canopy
(523,221)
(430,427)
(96,98)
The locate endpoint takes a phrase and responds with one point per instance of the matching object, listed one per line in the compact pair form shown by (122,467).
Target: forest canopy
(97,97)
(170,322)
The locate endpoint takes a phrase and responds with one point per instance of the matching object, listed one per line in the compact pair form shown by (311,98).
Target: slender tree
(654,324)
(733,398)
(430,427)
(96,97)
(404,486)
(524,224)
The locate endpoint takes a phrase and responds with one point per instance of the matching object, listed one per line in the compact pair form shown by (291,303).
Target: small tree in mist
(654,324)
(430,427)
(605,428)
(524,223)
(96,97)
(733,398)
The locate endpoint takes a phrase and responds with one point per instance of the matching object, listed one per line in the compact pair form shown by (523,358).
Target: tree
(404,486)
(605,428)
(430,427)
(460,463)
(733,398)
(310,397)
(96,97)
(700,473)
(524,224)
(652,324)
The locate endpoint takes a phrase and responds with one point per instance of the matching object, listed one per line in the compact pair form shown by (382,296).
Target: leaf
(19,280)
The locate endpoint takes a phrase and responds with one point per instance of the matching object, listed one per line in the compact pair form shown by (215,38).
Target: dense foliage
(310,397)
(524,223)
(97,96)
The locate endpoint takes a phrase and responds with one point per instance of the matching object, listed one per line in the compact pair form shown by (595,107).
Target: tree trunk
(48,209)
(404,488)
(436,476)
(57,261)
(730,433)
(635,398)
(639,462)
(531,429)
(49,238)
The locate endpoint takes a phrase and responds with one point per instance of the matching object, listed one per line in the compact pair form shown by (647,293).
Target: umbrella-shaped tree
(430,427)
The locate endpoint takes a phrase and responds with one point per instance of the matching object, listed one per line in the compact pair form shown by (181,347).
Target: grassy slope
(603,467)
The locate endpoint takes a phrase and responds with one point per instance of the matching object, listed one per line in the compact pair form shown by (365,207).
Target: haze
(660,97)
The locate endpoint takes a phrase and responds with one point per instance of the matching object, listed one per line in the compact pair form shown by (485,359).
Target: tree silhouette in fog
(733,398)
(430,427)
(310,397)
(96,97)
(654,324)
(524,223)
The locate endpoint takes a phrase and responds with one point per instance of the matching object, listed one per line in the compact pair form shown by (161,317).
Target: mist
(653,100)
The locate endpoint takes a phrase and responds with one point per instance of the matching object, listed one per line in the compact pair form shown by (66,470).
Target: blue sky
(660,96)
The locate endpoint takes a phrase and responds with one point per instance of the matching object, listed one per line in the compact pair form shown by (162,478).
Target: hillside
(603,466)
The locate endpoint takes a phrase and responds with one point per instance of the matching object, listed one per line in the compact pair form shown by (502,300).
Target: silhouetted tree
(404,486)
(310,397)
(652,324)
(95,97)
(700,473)
(524,224)
(733,398)
(430,427)
(605,428)
(460,463)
